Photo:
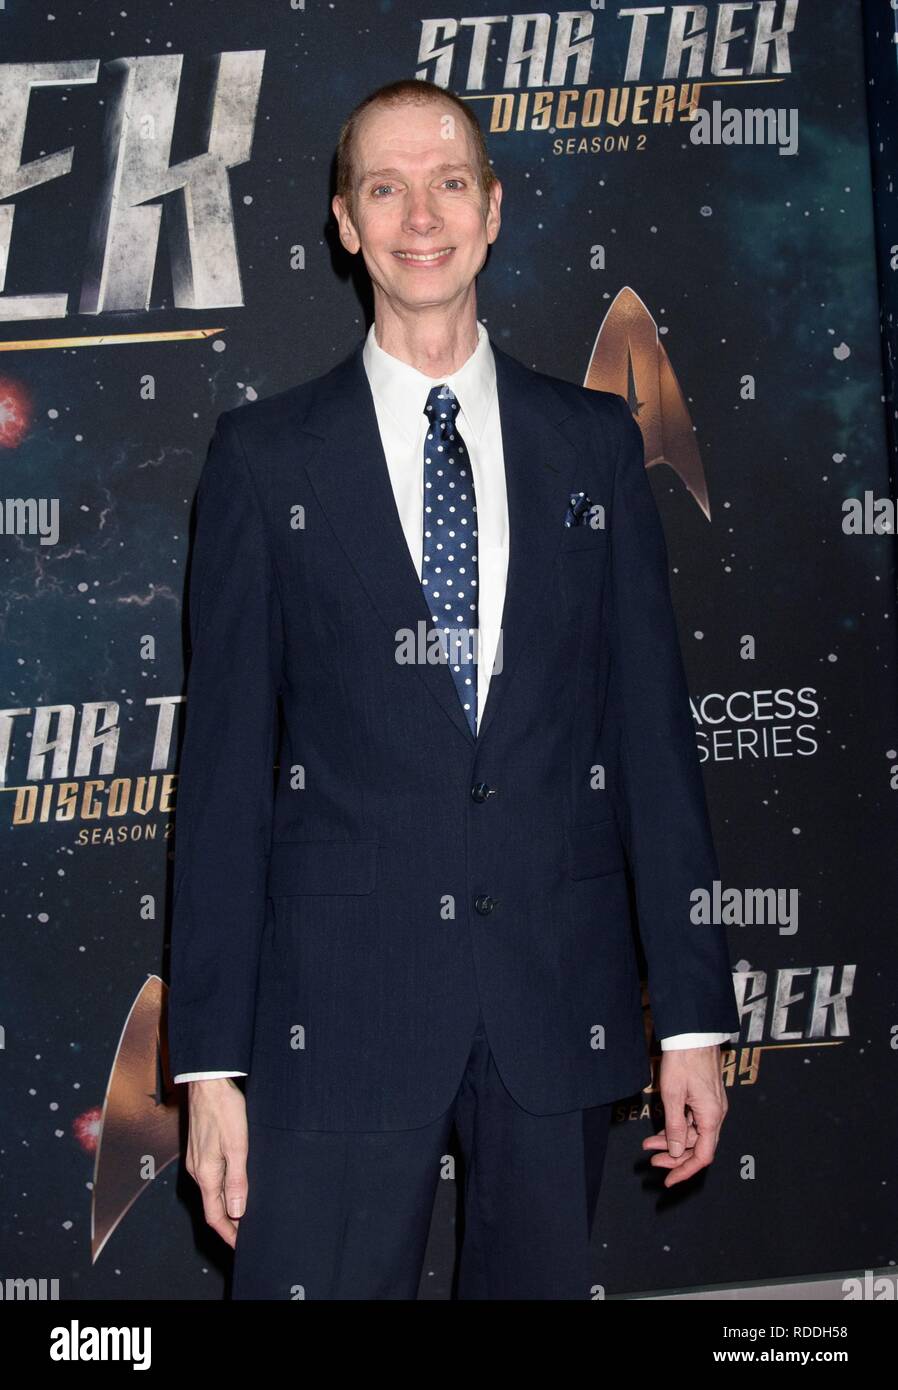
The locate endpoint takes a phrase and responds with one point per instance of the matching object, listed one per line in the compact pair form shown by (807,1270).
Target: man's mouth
(424,257)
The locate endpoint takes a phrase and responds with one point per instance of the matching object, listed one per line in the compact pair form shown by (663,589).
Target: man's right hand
(217,1146)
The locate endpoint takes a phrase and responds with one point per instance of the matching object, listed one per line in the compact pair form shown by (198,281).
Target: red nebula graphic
(86,1128)
(15,413)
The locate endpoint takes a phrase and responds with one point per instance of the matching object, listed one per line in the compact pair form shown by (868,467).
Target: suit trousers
(346,1215)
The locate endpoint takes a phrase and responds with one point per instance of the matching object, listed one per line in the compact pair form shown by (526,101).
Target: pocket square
(580,505)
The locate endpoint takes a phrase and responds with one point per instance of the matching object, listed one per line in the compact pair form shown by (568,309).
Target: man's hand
(217,1146)
(695,1105)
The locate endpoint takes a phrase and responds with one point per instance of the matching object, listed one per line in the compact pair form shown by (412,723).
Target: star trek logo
(121,255)
(70,774)
(542,70)
(629,358)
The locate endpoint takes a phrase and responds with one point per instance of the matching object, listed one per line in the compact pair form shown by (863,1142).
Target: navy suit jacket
(336,928)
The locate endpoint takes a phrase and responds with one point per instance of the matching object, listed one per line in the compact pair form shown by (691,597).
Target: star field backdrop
(738,275)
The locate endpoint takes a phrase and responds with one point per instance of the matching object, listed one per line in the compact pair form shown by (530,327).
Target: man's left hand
(695,1105)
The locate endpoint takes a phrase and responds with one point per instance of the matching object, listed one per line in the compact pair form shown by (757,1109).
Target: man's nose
(420,213)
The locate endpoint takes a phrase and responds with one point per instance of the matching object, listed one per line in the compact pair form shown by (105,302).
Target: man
(427,925)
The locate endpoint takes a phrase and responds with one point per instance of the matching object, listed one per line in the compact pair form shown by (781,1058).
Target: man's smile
(426,258)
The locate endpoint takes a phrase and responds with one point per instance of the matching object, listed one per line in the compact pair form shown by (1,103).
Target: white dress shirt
(400,393)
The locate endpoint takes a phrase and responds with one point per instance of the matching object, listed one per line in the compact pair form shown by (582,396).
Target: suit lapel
(347,468)
(540,469)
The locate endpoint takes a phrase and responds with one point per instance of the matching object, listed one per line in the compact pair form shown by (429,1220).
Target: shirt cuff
(206,1075)
(678,1040)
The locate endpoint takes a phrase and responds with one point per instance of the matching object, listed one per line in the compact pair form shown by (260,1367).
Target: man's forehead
(393,134)
(409,115)
(432,161)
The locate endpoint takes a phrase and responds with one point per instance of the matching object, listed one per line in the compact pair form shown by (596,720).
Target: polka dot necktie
(449,566)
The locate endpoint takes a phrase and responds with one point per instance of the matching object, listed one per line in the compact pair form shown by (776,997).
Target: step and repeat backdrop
(688,220)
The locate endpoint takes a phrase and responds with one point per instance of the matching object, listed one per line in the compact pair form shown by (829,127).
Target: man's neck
(435,343)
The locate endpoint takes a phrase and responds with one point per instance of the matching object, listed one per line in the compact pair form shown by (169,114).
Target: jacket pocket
(321,867)
(583,537)
(595,849)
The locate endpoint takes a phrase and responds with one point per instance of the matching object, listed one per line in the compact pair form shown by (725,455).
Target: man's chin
(423,296)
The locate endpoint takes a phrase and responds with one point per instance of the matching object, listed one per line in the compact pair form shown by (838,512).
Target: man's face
(418,217)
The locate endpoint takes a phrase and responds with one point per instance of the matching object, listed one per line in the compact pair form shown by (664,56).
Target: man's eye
(379,186)
(460,182)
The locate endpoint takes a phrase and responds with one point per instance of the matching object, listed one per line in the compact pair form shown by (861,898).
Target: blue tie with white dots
(449,565)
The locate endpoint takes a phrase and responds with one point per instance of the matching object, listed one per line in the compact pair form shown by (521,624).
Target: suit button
(481,790)
(484,904)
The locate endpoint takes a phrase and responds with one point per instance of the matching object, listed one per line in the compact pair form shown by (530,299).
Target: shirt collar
(403,390)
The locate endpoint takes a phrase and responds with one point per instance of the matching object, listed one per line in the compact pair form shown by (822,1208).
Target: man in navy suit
(448,573)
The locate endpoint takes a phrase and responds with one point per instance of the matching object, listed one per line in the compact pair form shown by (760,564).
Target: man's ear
(348,234)
(493,217)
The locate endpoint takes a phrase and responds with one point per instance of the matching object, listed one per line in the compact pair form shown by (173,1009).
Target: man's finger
(659,1141)
(702,1156)
(209,1179)
(663,1159)
(674,1102)
(235,1184)
(218,1219)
